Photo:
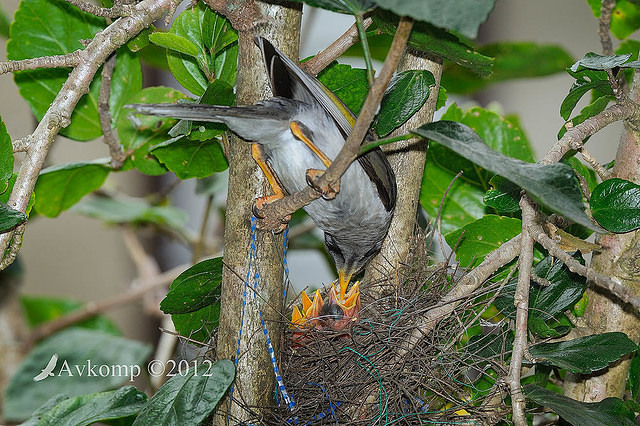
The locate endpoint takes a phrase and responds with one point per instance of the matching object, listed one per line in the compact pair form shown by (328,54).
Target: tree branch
(58,61)
(279,209)
(115,149)
(605,21)
(77,84)
(521,301)
(117,10)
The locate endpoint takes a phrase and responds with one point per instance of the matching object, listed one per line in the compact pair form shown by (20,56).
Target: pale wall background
(82,258)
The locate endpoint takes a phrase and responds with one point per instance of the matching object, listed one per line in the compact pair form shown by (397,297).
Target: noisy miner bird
(296,135)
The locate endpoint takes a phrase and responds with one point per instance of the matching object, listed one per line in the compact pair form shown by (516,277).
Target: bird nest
(372,374)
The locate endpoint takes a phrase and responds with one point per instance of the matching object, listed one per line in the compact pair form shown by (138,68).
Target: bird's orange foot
(257,209)
(328,191)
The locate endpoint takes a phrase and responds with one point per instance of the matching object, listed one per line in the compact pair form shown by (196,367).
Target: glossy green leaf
(60,187)
(615,205)
(133,211)
(58,34)
(76,369)
(586,172)
(4,23)
(633,378)
(347,83)
(462,203)
(479,238)
(10,218)
(553,186)
(195,288)
(189,159)
(6,156)
(462,16)
(427,38)
(594,108)
(513,60)
(200,325)
(39,310)
(140,41)
(584,354)
(137,133)
(504,197)
(625,18)
(586,80)
(554,328)
(594,61)
(405,95)
(88,409)
(546,302)
(174,42)
(609,411)
(126,79)
(214,38)
(352,7)
(189,399)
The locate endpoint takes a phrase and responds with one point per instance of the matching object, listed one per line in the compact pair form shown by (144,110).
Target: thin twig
(118,9)
(612,284)
(366,52)
(58,61)
(521,301)
(595,165)
(605,21)
(334,50)
(279,209)
(115,149)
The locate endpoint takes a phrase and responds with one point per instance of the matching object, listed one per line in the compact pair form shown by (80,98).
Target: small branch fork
(86,63)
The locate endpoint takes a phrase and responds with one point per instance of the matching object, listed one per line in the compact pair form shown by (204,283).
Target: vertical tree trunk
(618,258)
(254,384)
(407,159)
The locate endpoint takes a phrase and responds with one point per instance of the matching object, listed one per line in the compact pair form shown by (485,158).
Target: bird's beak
(310,310)
(343,280)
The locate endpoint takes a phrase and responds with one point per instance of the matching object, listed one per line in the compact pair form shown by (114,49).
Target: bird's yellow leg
(278,192)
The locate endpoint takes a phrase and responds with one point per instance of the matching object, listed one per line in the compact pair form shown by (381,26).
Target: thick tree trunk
(407,159)
(254,384)
(619,258)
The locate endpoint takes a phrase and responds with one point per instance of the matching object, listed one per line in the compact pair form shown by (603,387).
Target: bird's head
(350,257)
(341,309)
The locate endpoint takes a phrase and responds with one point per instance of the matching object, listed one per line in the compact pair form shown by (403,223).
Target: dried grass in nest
(358,379)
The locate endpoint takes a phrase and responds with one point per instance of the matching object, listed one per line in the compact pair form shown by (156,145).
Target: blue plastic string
(256,277)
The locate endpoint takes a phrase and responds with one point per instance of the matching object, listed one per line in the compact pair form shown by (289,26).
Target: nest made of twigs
(371,375)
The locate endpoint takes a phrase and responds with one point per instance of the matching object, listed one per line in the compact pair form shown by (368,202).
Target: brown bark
(619,258)
(254,384)
(407,159)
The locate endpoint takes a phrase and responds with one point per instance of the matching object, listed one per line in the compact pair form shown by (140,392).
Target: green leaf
(39,310)
(214,38)
(174,42)
(60,187)
(88,409)
(195,288)
(133,211)
(138,133)
(504,197)
(594,108)
(58,34)
(553,186)
(189,399)
(6,156)
(427,38)
(479,238)
(633,377)
(349,84)
(586,80)
(4,23)
(199,326)
(10,218)
(584,354)
(513,60)
(189,159)
(139,42)
(609,411)
(587,173)
(463,16)
(126,79)
(81,353)
(615,205)
(352,7)
(406,94)
(593,61)
(546,303)
(625,18)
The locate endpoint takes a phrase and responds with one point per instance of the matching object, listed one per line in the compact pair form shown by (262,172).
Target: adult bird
(296,134)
